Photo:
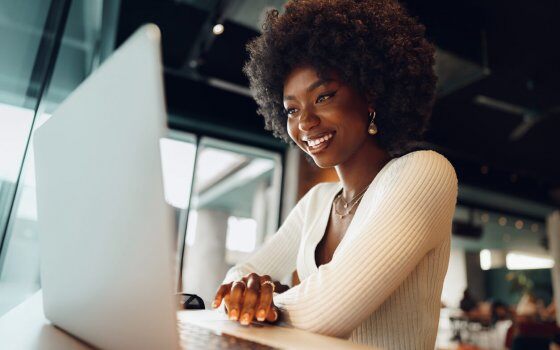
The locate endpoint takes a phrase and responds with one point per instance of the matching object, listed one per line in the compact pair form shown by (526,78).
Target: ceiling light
(523,261)
(218,29)
(502,221)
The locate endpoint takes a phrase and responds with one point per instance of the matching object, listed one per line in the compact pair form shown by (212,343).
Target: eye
(290,112)
(325,97)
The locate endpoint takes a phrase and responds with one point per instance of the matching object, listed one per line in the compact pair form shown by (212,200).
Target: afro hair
(374,46)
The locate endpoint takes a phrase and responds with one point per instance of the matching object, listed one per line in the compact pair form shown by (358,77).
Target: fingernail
(275,315)
(245,319)
(261,315)
(233,315)
(214,304)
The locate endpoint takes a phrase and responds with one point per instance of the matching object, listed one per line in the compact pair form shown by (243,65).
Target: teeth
(316,142)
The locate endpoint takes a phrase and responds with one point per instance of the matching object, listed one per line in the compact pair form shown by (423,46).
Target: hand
(249,298)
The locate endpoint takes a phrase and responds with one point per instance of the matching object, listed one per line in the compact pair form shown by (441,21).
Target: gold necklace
(342,215)
(361,193)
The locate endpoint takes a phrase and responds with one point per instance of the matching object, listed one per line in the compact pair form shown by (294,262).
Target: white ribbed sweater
(383,284)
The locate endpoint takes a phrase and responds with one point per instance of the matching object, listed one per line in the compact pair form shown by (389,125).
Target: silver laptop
(106,237)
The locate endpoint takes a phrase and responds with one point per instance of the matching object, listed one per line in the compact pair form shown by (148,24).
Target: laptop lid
(105,231)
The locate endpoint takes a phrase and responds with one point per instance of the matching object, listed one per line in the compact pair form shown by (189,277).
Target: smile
(318,145)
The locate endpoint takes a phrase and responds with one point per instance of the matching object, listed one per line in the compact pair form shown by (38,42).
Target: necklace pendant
(345,205)
(340,216)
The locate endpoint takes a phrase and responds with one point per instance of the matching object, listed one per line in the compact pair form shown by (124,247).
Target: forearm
(277,257)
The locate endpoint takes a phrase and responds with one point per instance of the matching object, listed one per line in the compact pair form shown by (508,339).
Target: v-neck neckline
(320,226)
(322,229)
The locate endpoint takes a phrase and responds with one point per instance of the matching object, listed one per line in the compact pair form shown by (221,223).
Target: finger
(235,299)
(226,304)
(273,314)
(265,278)
(222,291)
(250,299)
(265,300)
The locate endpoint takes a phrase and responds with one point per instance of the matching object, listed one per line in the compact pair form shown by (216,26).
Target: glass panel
(178,152)
(177,157)
(14,130)
(234,208)
(21,32)
(19,275)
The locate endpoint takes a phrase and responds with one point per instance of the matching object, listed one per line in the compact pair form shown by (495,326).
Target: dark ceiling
(504,52)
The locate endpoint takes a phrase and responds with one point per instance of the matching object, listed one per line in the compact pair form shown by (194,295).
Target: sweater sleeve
(277,257)
(408,213)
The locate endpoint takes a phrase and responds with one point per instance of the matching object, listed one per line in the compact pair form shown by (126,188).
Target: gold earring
(372,129)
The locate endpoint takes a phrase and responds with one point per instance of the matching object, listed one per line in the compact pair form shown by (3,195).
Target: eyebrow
(310,87)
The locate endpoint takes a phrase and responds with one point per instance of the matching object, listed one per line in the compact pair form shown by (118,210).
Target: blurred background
(497,119)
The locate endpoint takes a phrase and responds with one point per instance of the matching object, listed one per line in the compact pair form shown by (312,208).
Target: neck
(360,169)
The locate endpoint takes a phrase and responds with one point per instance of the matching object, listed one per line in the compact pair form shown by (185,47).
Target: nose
(308,120)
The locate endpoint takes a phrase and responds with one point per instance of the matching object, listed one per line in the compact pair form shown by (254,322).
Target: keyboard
(194,337)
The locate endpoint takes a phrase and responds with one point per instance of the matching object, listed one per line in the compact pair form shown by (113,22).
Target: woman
(352,84)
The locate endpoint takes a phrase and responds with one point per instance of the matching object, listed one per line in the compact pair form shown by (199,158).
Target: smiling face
(327,119)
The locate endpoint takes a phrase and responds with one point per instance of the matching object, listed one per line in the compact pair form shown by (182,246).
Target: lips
(319,144)
(316,136)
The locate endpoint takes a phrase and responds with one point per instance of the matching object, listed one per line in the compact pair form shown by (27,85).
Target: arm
(277,257)
(409,213)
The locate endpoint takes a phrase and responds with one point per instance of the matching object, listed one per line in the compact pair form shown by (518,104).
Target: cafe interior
(231,183)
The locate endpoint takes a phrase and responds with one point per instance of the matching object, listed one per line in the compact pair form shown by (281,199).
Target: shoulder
(424,159)
(422,176)
(424,165)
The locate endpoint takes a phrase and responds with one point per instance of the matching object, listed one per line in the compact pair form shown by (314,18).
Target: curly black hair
(375,46)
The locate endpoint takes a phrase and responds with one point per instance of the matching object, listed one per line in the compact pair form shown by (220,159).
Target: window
(234,208)
(25,50)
